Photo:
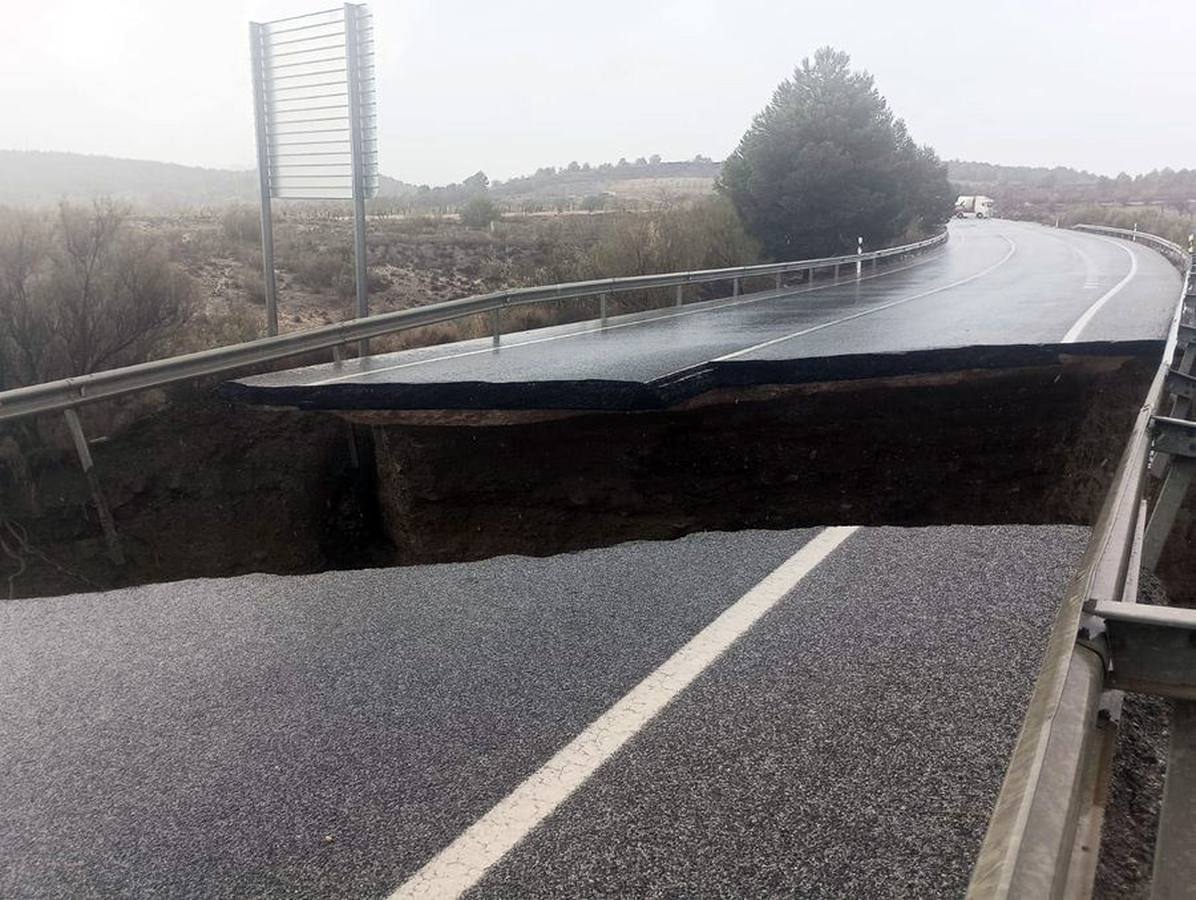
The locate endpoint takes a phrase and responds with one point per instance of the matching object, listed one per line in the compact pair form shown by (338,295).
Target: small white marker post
(859,263)
(1135,237)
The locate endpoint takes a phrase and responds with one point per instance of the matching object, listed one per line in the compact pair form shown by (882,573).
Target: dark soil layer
(203,488)
(1028,445)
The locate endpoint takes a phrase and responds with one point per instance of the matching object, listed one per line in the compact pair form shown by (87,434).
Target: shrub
(82,292)
(241,224)
(479,211)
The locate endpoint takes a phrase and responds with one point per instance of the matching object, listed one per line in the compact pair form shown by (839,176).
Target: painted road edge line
(1073,333)
(461,865)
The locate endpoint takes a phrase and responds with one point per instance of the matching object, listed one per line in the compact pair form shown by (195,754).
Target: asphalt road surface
(996,283)
(816,713)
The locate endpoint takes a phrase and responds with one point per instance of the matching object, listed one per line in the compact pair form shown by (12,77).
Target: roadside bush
(81,292)
(707,234)
(1165,223)
(479,211)
(323,269)
(241,224)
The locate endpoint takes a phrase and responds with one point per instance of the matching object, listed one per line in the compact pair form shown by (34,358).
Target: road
(824,712)
(996,282)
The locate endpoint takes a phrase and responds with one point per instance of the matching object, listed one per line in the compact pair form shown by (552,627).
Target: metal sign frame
(316,117)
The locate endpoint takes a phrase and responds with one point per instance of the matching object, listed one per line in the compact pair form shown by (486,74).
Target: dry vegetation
(84,288)
(416,260)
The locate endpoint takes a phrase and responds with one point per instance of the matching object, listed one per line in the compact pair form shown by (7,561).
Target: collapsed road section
(1024,434)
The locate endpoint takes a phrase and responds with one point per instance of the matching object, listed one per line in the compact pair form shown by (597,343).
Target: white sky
(511,85)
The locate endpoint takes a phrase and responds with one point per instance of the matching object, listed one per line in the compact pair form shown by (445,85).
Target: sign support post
(316,123)
(352,40)
(263,171)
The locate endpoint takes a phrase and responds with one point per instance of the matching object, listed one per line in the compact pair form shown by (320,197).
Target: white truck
(974,207)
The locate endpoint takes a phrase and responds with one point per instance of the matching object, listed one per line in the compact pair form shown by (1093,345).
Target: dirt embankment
(1031,445)
(203,488)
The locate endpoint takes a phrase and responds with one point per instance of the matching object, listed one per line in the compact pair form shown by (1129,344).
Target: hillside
(40,178)
(35,178)
(1041,191)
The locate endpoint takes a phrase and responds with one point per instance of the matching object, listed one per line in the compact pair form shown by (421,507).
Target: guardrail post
(836,271)
(495,327)
(1174,860)
(338,356)
(1166,509)
(602,309)
(734,287)
(680,294)
(810,275)
(111,538)
(780,278)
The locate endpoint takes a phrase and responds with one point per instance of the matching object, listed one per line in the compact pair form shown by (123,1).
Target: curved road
(995,283)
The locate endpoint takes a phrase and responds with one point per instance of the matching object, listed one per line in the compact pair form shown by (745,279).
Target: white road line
(1092,277)
(875,309)
(699,308)
(1073,333)
(461,865)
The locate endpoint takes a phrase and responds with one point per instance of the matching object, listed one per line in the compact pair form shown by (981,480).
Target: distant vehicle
(974,207)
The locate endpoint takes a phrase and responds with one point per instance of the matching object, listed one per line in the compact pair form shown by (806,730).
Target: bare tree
(82,294)
(115,292)
(26,327)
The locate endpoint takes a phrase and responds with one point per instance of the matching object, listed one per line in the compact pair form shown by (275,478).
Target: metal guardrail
(1173,251)
(1043,833)
(69,393)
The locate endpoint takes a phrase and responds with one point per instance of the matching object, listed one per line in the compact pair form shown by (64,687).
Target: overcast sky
(511,85)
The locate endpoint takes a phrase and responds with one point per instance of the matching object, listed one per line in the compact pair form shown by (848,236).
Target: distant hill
(643,179)
(1040,191)
(980,174)
(35,178)
(40,178)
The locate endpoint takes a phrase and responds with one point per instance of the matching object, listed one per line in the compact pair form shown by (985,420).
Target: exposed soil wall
(1027,445)
(203,488)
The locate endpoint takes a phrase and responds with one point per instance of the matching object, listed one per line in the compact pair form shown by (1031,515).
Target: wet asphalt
(995,283)
(325,735)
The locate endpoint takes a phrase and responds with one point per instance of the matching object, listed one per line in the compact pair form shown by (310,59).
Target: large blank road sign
(316,107)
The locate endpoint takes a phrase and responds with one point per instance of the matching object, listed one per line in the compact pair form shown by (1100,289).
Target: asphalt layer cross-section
(995,284)
(326,735)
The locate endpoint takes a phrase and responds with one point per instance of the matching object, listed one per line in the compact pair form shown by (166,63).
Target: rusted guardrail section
(1044,831)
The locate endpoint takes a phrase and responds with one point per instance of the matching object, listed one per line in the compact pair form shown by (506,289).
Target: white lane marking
(461,865)
(1073,333)
(876,309)
(714,306)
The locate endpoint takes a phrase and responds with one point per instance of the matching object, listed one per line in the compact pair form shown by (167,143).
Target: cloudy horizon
(467,86)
